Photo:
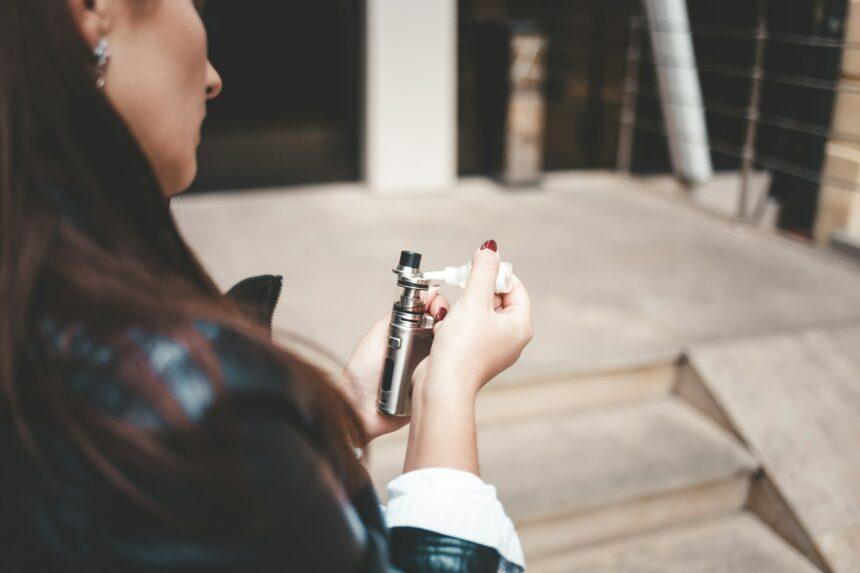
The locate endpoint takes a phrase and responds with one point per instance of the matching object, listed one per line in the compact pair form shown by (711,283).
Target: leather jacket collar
(258,294)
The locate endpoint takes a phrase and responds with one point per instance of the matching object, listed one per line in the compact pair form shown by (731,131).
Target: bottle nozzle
(457,276)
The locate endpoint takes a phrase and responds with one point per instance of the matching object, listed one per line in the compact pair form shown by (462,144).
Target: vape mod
(410,335)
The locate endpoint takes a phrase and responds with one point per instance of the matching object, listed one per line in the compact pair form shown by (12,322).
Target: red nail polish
(491,244)
(442,313)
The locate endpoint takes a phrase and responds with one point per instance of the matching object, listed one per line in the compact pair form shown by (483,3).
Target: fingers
(481,285)
(518,295)
(497,302)
(428,296)
(383,321)
(437,306)
(516,306)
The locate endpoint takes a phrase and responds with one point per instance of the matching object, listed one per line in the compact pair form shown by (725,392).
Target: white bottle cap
(457,276)
(505,278)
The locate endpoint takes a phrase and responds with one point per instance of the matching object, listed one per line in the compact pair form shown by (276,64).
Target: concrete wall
(839,204)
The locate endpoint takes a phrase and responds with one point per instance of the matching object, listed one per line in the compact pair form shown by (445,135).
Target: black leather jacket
(62,516)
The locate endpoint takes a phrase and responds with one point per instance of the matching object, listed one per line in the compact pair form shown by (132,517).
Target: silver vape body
(410,336)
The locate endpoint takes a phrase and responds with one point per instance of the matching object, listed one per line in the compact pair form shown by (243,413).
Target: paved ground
(622,272)
(794,398)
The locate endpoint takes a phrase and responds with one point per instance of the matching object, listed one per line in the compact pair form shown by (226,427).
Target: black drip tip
(410,259)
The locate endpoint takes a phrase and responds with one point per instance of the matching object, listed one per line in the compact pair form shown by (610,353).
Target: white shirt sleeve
(455,503)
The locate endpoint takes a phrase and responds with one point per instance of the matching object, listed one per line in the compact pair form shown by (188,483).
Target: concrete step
(506,401)
(584,476)
(794,398)
(728,544)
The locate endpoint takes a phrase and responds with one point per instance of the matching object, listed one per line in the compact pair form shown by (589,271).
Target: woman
(148,423)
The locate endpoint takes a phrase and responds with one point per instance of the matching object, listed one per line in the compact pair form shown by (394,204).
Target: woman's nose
(213,82)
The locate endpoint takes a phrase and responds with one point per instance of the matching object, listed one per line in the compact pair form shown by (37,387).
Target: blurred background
(676,184)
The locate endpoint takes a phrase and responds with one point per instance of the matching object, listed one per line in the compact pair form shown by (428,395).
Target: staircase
(616,473)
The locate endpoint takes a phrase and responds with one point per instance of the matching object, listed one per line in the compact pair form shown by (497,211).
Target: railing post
(752,115)
(627,125)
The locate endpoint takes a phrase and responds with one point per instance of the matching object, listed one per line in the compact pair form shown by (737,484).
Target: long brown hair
(131,268)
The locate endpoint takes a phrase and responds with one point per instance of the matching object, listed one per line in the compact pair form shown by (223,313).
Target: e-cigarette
(410,332)
(410,335)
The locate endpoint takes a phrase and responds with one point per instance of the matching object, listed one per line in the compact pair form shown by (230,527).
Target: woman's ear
(91,18)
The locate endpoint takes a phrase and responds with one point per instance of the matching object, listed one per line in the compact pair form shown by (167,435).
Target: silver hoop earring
(102,55)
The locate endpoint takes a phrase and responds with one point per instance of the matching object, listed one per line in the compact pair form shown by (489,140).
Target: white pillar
(410,107)
(680,92)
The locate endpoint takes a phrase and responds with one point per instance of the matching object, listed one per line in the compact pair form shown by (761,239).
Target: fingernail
(491,244)
(442,312)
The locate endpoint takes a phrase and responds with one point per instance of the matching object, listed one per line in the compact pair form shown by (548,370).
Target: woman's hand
(360,378)
(483,334)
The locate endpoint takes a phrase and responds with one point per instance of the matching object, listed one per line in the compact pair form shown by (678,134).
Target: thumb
(481,285)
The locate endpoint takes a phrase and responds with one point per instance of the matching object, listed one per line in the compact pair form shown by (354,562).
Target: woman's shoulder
(195,366)
(254,492)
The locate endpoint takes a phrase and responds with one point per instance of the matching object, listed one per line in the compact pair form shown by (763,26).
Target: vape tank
(410,335)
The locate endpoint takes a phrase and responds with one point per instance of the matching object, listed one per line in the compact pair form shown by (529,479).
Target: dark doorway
(585,64)
(587,59)
(289,109)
